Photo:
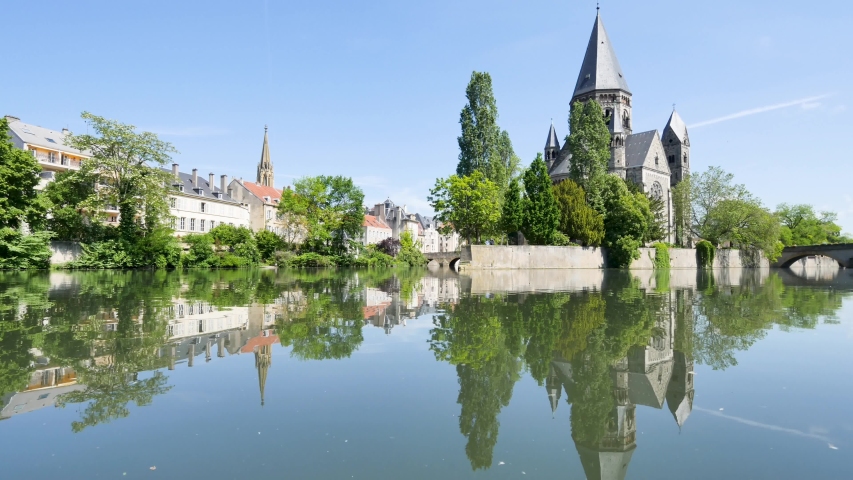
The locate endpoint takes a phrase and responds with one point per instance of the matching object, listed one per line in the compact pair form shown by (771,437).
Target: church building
(653,161)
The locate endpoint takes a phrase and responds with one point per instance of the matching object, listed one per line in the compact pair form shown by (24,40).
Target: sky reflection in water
(426,374)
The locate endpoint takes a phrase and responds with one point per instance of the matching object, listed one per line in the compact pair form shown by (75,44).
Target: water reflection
(601,343)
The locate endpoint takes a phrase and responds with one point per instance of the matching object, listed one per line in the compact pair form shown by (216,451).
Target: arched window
(656,191)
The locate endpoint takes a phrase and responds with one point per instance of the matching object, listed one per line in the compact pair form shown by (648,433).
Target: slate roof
(603,464)
(42,137)
(552,141)
(205,189)
(600,69)
(261,191)
(375,222)
(563,162)
(676,124)
(637,148)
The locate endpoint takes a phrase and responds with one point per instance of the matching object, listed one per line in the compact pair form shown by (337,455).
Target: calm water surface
(389,375)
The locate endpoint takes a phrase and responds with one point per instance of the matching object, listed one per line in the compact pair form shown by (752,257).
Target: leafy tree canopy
(469,205)
(541,214)
(19,176)
(589,144)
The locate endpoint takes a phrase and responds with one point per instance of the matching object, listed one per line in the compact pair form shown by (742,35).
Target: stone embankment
(512,257)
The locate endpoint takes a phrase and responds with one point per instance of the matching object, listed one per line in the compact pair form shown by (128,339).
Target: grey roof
(426,222)
(42,137)
(553,141)
(649,388)
(205,190)
(562,164)
(676,124)
(600,69)
(637,147)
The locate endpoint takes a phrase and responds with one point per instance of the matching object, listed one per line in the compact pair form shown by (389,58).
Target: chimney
(65,131)
(175,170)
(210,181)
(195,178)
(223,180)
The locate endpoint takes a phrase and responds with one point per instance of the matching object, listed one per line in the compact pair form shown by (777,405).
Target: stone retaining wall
(64,252)
(506,257)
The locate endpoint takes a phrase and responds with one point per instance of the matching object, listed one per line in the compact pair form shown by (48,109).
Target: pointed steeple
(677,126)
(263,360)
(553,141)
(600,69)
(554,388)
(266,177)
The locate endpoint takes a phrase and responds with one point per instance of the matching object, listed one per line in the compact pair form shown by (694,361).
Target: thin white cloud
(190,131)
(805,102)
(814,434)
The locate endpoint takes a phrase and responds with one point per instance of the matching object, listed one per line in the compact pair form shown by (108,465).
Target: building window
(212,224)
(173,202)
(183,223)
(269,214)
(203,207)
(192,224)
(201,225)
(172,223)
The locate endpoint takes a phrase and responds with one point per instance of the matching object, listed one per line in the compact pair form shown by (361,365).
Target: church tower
(601,79)
(552,147)
(676,144)
(266,178)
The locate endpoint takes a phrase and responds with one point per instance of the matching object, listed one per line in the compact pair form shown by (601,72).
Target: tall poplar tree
(483,146)
(589,144)
(541,214)
(512,217)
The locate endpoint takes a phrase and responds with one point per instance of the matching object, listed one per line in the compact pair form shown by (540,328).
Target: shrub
(268,244)
(661,255)
(561,240)
(108,254)
(705,252)
(623,252)
(312,260)
(19,251)
(389,246)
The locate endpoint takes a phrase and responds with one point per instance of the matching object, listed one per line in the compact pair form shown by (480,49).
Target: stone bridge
(841,253)
(450,259)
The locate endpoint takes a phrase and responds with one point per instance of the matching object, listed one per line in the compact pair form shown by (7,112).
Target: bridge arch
(789,262)
(454,264)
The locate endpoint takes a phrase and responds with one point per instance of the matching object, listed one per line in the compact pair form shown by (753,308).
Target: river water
(426,374)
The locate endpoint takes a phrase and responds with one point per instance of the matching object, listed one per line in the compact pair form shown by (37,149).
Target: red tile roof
(375,222)
(258,341)
(261,191)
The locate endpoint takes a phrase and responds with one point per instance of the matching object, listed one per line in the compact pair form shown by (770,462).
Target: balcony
(55,159)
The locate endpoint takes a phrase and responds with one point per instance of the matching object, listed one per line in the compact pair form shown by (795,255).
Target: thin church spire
(266,177)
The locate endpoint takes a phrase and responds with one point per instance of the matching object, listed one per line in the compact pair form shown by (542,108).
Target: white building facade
(197,205)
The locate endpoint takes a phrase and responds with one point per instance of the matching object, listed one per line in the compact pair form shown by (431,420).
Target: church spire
(600,69)
(266,177)
(263,360)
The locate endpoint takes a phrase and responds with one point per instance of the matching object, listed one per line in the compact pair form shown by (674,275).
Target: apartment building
(47,146)
(197,205)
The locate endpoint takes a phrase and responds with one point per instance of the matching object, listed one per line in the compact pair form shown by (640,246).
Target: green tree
(801,225)
(268,243)
(589,144)
(682,211)
(330,208)
(126,166)
(19,176)
(626,224)
(482,145)
(541,214)
(469,205)
(578,220)
(512,216)
(726,211)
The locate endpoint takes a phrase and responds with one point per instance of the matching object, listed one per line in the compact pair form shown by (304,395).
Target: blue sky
(373,90)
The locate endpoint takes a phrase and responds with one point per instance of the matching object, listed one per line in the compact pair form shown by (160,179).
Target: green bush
(268,244)
(705,252)
(312,260)
(624,251)
(19,251)
(107,254)
(661,255)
